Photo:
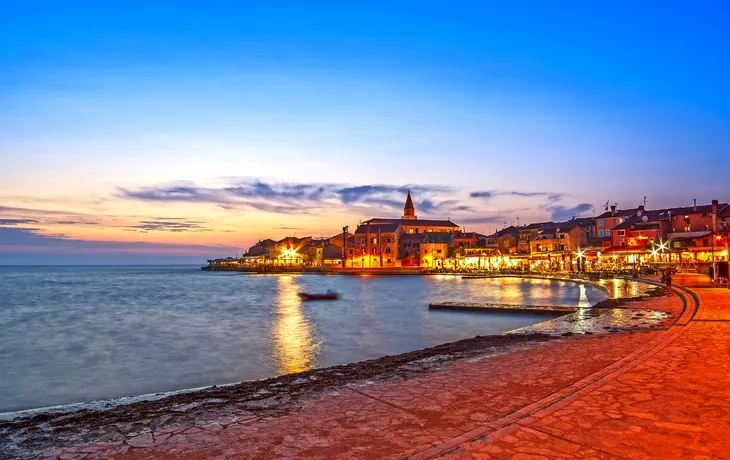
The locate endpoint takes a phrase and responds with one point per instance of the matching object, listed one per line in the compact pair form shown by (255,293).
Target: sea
(78,334)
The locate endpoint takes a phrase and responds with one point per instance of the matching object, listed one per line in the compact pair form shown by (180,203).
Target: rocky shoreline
(272,397)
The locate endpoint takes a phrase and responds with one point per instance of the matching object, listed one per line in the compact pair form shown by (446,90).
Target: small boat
(329,295)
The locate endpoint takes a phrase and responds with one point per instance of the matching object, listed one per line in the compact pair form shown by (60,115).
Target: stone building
(559,237)
(382,242)
(434,248)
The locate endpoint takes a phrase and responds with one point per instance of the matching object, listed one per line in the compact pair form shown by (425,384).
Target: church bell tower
(409,211)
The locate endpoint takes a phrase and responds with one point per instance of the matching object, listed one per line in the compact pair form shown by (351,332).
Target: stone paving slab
(675,404)
(519,442)
(403,418)
(711,310)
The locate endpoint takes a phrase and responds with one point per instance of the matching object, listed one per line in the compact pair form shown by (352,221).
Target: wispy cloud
(28,240)
(290,198)
(174,226)
(558,213)
(12,222)
(483,194)
(551,196)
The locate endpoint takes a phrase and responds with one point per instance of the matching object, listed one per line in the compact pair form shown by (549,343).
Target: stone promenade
(662,393)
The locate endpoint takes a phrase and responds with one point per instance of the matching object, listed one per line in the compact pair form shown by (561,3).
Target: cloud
(12,222)
(555,197)
(76,222)
(551,196)
(485,194)
(287,198)
(174,193)
(31,241)
(174,226)
(558,213)
(45,216)
(361,192)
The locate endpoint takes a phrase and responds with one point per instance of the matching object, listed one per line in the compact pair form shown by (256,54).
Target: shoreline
(106,404)
(36,430)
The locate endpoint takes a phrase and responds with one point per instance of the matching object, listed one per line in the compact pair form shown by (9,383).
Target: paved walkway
(659,394)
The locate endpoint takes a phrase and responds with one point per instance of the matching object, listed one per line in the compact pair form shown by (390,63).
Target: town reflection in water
(292,334)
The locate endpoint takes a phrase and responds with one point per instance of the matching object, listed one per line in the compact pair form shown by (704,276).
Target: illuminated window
(411,230)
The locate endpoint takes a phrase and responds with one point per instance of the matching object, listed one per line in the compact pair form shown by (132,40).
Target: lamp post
(715,265)
(344,247)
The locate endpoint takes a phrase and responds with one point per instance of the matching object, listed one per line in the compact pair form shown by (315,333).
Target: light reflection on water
(71,334)
(293,341)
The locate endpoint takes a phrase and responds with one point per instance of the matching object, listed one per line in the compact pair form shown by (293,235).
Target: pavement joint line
(478,431)
(381,401)
(570,392)
(570,441)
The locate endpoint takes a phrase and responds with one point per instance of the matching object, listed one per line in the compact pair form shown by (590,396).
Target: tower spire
(409,211)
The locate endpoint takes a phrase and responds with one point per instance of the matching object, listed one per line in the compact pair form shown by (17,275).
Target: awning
(627,250)
(687,235)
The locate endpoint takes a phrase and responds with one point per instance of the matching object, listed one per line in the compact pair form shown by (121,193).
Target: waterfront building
(683,236)
(482,257)
(375,245)
(467,239)
(435,249)
(526,234)
(390,243)
(605,223)
(289,251)
(557,245)
(689,237)
(505,240)
(264,248)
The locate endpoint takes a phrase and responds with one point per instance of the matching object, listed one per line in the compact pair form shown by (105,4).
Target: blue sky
(105,107)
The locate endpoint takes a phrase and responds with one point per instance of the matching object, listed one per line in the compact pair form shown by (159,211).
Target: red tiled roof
(375,228)
(413,222)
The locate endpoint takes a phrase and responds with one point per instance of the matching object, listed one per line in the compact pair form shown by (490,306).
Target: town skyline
(171,135)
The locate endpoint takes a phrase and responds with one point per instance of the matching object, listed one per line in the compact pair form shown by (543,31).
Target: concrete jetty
(481,306)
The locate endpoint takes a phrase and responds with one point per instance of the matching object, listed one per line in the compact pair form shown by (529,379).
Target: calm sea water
(73,334)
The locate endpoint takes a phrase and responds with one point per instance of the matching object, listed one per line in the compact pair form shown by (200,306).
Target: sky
(173,132)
